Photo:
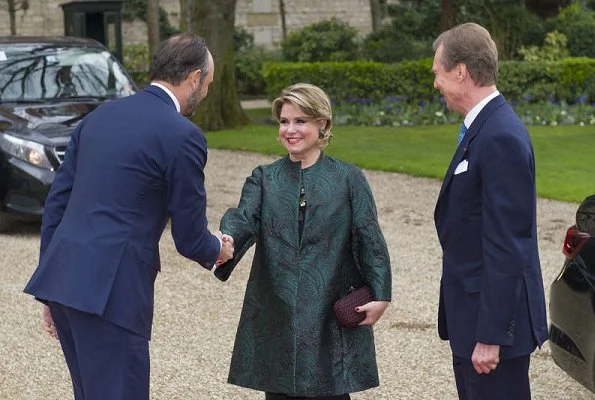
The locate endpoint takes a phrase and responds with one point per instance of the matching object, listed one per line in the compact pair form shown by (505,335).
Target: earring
(321,133)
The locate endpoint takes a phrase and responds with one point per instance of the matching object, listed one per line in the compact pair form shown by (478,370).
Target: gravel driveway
(196,315)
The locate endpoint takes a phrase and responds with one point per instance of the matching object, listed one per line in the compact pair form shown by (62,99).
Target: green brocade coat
(288,339)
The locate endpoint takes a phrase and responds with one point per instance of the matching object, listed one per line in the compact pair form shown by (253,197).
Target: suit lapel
(456,159)
(463,148)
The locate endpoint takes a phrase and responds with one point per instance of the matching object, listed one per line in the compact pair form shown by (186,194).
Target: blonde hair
(312,101)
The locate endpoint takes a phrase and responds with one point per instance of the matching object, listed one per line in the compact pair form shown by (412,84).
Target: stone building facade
(260,17)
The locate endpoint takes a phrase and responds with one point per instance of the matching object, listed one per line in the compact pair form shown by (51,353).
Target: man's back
(132,163)
(124,150)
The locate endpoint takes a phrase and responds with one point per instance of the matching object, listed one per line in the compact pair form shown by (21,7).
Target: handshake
(227,249)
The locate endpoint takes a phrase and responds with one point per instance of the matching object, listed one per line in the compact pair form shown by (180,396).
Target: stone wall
(44,17)
(260,17)
(263,20)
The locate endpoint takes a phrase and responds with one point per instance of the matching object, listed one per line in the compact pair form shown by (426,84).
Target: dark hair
(179,55)
(472,45)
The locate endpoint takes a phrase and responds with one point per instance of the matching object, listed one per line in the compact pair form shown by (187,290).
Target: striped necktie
(462,133)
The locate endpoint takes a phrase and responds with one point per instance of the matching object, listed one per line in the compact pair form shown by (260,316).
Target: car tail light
(574,242)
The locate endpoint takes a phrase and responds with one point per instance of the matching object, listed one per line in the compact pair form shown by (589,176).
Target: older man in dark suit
(131,164)
(492,305)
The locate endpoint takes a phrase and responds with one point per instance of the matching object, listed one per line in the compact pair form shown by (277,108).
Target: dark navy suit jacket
(131,164)
(491,289)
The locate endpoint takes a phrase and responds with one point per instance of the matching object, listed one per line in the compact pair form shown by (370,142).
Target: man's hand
(226,238)
(485,357)
(373,310)
(227,249)
(48,323)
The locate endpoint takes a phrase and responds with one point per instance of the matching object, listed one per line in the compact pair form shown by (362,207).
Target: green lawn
(565,155)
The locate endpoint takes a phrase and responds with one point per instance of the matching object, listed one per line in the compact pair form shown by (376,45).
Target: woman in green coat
(314,222)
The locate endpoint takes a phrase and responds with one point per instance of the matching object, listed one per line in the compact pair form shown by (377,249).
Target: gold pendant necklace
(302,197)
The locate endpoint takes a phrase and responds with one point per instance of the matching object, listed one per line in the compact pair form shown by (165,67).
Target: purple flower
(554,100)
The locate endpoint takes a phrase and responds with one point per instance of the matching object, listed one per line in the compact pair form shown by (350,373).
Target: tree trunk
(12,11)
(376,15)
(446,19)
(283,22)
(153,26)
(214,20)
(183,16)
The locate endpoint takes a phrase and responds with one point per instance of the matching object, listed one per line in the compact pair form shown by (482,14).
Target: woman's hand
(373,310)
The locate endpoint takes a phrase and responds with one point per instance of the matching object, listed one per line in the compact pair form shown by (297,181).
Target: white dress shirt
(471,115)
(169,93)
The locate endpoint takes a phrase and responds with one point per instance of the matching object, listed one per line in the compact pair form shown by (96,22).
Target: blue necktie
(462,133)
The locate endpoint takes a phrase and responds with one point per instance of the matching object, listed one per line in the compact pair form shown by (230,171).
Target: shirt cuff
(214,267)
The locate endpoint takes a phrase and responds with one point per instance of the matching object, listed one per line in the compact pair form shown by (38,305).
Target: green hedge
(570,80)
(359,79)
(576,77)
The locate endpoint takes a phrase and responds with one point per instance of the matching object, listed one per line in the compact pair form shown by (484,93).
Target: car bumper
(25,188)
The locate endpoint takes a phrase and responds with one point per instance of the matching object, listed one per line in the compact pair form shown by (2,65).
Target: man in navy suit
(492,304)
(131,165)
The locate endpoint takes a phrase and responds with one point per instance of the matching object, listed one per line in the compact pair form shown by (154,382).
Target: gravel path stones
(196,315)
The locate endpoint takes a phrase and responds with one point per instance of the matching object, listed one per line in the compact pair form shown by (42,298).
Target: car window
(49,72)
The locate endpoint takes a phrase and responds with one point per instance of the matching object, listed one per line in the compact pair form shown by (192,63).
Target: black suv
(572,300)
(47,85)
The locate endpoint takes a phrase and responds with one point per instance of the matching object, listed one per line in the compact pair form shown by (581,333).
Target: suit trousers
(276,396)
(510,380)
(105,361)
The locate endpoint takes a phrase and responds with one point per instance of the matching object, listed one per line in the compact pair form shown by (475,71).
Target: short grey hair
(472,45)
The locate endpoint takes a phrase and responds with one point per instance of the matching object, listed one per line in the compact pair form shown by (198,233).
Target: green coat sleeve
(243,222)
(369,246)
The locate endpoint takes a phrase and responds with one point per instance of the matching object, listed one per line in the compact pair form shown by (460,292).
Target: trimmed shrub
(330,40)
(248,71)
(388,45)
(409,36)
(356,80)
(578,24)
(554,48)
(248,64)
(576,80)
(570,80)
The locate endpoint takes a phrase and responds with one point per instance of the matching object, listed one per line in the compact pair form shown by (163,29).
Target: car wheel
(5,222)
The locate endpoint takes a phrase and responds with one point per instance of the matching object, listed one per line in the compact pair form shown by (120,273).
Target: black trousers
(510,380)
(276,396)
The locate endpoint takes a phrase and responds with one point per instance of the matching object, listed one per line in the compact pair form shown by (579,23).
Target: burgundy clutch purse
(345,307)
